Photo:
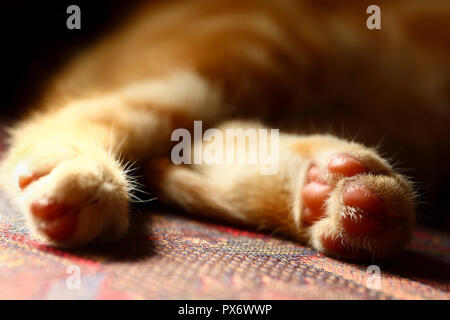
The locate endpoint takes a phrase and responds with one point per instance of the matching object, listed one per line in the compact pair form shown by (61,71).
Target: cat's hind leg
(337,196)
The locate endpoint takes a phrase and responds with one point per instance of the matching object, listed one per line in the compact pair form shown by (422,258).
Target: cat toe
(367,208)
(24,176)
(314,195)
(345,165)
(56,220)
(24,179)
(336,245)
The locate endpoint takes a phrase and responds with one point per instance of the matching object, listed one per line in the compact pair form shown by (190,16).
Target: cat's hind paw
(354,206)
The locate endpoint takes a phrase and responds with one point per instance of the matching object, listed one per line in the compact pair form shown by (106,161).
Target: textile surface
(169,256)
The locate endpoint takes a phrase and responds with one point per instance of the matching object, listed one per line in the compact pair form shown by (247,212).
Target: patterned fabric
(169,256)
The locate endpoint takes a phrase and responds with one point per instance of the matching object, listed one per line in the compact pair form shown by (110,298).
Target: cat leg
(67,169)
(67,166)
(339,197)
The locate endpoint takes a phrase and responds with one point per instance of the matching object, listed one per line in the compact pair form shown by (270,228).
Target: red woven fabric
(174,257)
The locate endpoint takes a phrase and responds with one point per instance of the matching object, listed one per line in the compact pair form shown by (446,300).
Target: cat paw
(70,195)
(355,206)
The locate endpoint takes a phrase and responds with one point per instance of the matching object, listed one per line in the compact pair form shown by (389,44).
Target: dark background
(35,42)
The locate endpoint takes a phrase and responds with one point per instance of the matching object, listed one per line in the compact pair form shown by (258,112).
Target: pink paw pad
(336,245)
(25,179)
(346,165)
(368,222)
(370,207)
(60,219)
(342,248)
(314,196)
(360,196)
